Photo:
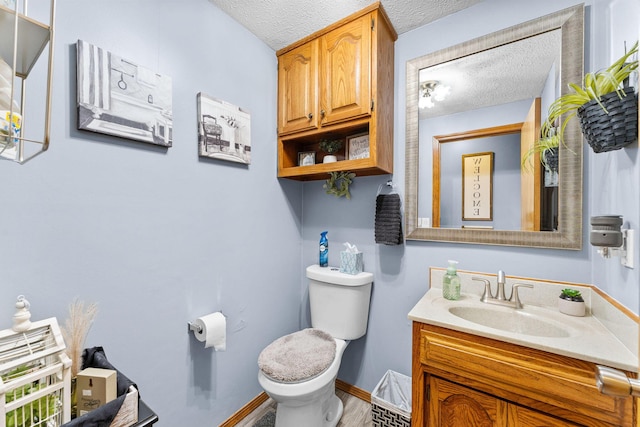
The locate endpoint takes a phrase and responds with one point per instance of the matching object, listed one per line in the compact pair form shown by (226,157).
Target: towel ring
(388,184)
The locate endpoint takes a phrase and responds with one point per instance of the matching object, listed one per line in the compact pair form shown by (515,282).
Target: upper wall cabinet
(24,56)
(338,84)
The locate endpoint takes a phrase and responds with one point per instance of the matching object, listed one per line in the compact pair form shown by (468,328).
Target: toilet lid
(299,356)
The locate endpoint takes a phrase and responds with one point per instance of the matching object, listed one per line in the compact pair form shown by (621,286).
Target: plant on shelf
(603,90)
(330,146)
(338,184)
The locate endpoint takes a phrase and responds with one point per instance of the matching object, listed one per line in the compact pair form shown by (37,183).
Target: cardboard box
(94,388)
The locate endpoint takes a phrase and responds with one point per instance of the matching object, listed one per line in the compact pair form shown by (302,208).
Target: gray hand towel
(388,221)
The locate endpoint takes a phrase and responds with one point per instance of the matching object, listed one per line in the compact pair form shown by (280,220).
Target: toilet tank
(339,302)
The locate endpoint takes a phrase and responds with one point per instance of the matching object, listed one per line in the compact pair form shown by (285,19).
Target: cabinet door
(298,89)
(345,76)
(522,417)
(453,405)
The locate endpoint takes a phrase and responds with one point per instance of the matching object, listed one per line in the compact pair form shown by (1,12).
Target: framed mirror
(553,45)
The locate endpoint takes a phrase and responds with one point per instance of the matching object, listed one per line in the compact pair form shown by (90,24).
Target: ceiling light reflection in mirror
(508,73)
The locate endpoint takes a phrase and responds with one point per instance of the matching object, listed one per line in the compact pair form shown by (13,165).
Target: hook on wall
(389,184)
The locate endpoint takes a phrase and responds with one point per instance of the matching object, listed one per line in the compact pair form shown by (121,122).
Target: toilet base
(325,410)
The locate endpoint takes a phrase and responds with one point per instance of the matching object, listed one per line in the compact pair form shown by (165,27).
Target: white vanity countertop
(588,339)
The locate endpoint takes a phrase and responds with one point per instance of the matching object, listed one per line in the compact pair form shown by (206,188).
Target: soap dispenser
(451,282)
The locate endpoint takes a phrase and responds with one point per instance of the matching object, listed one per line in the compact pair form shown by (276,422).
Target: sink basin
(511,320)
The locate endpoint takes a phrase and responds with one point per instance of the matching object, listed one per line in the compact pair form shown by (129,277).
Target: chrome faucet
(500,299)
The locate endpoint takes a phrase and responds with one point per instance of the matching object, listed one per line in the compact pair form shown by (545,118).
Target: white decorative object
(21,318)
(36,376)
(572,308)
(329,158)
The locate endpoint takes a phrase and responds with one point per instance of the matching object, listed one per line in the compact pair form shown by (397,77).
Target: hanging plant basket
(551,159)
(612,131)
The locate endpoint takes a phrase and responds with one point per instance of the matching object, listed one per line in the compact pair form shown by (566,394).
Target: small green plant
(546,147)
(571,295)
(338,184)
(594,86)
(330,146)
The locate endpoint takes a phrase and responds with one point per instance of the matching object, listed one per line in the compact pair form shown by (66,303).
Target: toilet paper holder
(211,330)
(193,327)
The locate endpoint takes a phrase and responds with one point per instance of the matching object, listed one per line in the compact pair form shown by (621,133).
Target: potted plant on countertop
(605,105)
(331,147)
(571,303)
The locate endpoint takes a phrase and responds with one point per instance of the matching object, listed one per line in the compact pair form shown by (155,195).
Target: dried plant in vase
(75,331)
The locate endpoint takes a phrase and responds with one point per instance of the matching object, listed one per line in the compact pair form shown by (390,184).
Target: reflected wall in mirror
(530,210)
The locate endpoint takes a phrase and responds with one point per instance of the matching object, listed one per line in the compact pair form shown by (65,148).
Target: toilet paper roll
(213,331)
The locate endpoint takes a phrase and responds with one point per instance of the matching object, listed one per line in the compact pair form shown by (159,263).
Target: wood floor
(357,412)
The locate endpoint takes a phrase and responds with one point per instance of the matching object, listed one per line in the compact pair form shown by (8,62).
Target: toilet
(298,371)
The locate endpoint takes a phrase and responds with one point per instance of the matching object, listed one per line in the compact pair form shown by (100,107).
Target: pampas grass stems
(75,331)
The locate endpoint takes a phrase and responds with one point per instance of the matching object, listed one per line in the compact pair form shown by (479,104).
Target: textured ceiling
(509,73)
(492,78)
(280,23)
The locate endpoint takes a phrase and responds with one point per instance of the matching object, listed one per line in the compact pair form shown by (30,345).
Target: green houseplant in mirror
(547,148)
(604,104)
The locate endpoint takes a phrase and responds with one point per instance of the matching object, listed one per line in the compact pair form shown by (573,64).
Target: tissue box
(351,263)
(94,388)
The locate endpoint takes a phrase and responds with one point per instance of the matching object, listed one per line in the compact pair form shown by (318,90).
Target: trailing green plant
(571,295)
(594,86)
(546,147)
(330,146)
(338,183)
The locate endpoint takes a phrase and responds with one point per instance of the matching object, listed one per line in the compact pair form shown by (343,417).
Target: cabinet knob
(322,113)
(310,115)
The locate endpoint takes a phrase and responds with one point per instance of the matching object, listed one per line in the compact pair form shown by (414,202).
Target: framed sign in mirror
(477,187)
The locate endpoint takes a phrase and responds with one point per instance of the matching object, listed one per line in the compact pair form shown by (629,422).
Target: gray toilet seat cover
(298,356)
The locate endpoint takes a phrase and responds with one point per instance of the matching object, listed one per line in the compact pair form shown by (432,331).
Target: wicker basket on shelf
(612,129)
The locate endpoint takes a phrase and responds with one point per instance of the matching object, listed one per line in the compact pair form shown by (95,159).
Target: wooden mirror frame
(569,234)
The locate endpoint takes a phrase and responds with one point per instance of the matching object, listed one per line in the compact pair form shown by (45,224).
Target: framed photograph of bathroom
(118,97)
(358,146)
(477,186)
(224,130)
(306,158)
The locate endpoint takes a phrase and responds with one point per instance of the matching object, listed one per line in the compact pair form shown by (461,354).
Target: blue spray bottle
(324,249)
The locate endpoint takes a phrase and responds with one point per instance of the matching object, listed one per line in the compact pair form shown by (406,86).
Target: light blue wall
(614,177)
(157,236)
(401,272)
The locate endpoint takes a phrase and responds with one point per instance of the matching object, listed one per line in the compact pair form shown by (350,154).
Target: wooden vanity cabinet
(461,379)
(338,83)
